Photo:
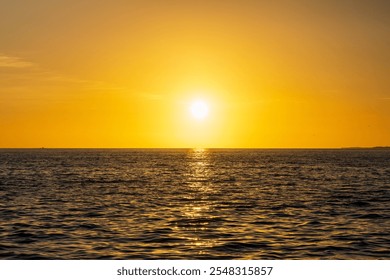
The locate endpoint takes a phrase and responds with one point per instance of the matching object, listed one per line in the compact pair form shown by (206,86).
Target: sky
(125,74)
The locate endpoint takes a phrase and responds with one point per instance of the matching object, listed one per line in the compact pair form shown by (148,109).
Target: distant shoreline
(367,148)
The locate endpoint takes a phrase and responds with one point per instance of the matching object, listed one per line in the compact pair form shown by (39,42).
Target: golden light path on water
(199,208)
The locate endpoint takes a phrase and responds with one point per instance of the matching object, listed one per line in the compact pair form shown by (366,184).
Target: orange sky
(275,74)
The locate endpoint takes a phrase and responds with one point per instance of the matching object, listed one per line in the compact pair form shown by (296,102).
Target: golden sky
(273,74)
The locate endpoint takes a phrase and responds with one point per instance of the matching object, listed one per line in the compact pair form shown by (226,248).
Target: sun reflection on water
(197,210)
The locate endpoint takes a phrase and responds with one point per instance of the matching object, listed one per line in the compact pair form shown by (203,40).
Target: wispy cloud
(22,79)
(13,62)
(31,78)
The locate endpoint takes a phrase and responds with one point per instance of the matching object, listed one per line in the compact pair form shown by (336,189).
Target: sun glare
(199,109)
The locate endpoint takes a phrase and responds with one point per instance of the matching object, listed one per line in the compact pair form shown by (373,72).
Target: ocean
(194,204)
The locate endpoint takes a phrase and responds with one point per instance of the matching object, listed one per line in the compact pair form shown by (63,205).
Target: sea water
(194,204)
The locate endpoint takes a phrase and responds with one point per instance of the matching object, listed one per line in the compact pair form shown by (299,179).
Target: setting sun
(199,109)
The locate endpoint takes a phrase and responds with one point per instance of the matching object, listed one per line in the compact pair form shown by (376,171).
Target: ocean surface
(194,204)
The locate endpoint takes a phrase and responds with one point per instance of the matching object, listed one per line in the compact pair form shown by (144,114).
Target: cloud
(31,78)
(13,62)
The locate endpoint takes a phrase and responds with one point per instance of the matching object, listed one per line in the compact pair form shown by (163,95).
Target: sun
(199,109)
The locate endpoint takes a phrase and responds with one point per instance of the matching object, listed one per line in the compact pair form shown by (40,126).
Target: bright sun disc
(199,110)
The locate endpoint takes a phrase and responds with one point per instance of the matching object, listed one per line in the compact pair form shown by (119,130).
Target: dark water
(195,204)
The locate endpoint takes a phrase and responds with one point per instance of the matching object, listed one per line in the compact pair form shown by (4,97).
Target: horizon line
(193,148)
